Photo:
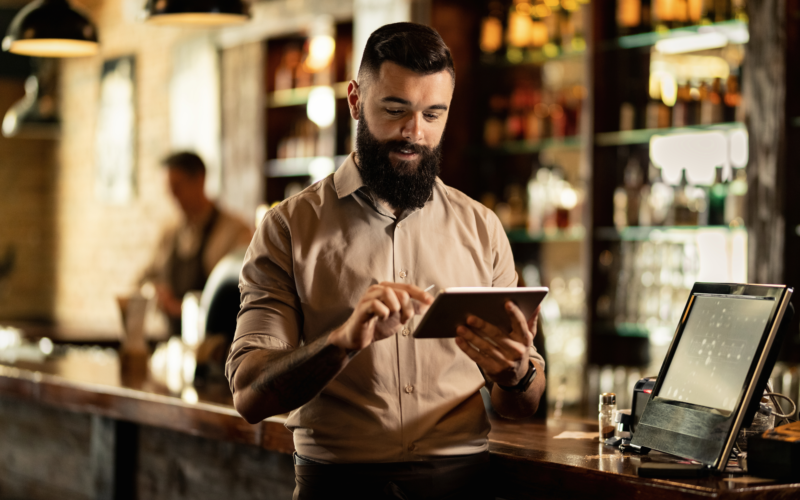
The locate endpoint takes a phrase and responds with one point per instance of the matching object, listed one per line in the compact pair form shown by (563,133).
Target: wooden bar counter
(70,429)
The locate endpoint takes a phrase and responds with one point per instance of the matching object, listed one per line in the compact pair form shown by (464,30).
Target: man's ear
(354,99)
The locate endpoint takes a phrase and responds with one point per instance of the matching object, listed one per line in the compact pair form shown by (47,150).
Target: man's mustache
(398,146)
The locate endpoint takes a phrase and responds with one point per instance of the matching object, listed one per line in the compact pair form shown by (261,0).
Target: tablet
(452,305)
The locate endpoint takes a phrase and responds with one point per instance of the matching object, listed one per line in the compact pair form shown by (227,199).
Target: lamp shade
(198,12)
(51,28)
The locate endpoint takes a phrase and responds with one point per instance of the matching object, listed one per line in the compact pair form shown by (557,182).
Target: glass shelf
(735,31)
(576,233)
(526,58)
(661,233)
(299,96)
(643,136)
(523,147)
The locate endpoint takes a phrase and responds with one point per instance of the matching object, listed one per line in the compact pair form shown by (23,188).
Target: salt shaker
(607,407)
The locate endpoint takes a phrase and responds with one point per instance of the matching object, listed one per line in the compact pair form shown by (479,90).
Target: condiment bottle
(605,418)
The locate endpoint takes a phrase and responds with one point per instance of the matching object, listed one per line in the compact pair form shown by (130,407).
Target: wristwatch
(526,381)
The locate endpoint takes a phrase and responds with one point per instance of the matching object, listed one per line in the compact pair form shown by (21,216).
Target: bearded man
(332,285)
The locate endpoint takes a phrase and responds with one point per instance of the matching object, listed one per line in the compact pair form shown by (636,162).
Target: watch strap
(526,381)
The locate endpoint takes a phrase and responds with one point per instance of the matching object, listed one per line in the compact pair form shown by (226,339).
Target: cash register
(715,371)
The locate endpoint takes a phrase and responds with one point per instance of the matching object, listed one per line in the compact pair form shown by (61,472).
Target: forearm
(520,405)
(271,382)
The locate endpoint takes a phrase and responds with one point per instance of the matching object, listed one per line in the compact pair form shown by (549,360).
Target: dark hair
(410,45)
(187,162)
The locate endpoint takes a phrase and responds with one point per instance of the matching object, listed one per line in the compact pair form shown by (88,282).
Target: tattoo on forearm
(294,377)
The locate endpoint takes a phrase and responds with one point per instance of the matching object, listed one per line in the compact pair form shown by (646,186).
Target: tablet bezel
(448,311)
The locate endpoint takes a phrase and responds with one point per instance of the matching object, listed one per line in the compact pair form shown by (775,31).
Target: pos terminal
(717,366)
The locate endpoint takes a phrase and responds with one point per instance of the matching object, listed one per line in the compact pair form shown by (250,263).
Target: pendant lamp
(51,28)
(198,12)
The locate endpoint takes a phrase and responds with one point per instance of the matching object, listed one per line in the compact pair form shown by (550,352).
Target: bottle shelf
(301,167)
(523,147)
(734,30)
(643,136)
(661,233)
(573,234)
(299,96)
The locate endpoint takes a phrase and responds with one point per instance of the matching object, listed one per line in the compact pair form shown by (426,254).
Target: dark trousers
(462,477)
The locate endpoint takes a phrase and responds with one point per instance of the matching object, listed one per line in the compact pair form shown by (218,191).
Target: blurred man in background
(187,253)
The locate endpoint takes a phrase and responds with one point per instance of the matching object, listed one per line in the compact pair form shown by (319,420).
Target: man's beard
(402,185)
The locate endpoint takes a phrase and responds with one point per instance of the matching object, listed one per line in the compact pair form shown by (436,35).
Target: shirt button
(409,388)
(406,331)
(399,224)
(403,274)
(412,447)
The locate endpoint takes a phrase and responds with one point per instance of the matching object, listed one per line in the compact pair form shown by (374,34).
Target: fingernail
(471,320)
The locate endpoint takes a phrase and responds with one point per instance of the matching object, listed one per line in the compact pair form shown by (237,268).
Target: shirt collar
(347,179)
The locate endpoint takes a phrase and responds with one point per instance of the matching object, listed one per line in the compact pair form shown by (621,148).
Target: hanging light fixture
(51,28)
(198,12)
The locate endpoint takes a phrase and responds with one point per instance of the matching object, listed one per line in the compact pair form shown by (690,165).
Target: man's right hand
(379,314)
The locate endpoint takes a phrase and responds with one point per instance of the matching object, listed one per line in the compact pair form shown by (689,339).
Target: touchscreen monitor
(720,358)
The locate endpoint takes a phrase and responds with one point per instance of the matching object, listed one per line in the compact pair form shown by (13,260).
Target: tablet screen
(716,350)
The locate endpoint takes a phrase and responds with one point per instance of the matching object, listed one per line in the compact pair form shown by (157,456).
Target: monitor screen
(716,350)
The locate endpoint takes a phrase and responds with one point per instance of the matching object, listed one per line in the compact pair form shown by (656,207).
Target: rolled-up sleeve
(270,316)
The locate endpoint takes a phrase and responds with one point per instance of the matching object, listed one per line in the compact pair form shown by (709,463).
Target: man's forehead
(395,81)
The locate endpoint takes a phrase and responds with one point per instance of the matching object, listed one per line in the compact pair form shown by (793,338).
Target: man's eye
(394,112)
(431,116)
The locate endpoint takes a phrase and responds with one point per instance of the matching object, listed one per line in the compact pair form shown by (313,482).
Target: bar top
(530,459)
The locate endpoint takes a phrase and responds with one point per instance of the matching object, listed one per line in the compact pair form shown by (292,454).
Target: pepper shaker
(607,408)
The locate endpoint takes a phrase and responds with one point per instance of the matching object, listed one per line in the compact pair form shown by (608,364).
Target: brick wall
(101,248)
(27,246)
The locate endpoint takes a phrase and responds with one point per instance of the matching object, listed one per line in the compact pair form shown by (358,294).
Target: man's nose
(412,128)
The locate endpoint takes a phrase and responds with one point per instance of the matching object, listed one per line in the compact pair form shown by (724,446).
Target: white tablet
(452,305)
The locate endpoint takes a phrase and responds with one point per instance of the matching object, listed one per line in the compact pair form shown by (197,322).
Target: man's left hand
(503,356)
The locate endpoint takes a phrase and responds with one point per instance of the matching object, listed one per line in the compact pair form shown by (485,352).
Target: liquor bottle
(632,178)
(735,205)
(732,98)
(579,29)
(695,11)
(716,200)
(680,112)
(715,100)
(709,12)
(722,10)
(491,34)
(629,16)
(706,108)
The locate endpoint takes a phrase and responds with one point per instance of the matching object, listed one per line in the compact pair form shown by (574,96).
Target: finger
(519,325)
(487,364)
(495,336)
(534,320)
(390,299)
(487,329)
(372,308)
(490,351)
(414,292)
(407,308)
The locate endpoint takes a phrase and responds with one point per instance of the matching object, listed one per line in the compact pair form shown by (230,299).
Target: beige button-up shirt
(312,259)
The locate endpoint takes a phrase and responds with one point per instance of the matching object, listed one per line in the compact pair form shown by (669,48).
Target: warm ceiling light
(198,12)
(51,28)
